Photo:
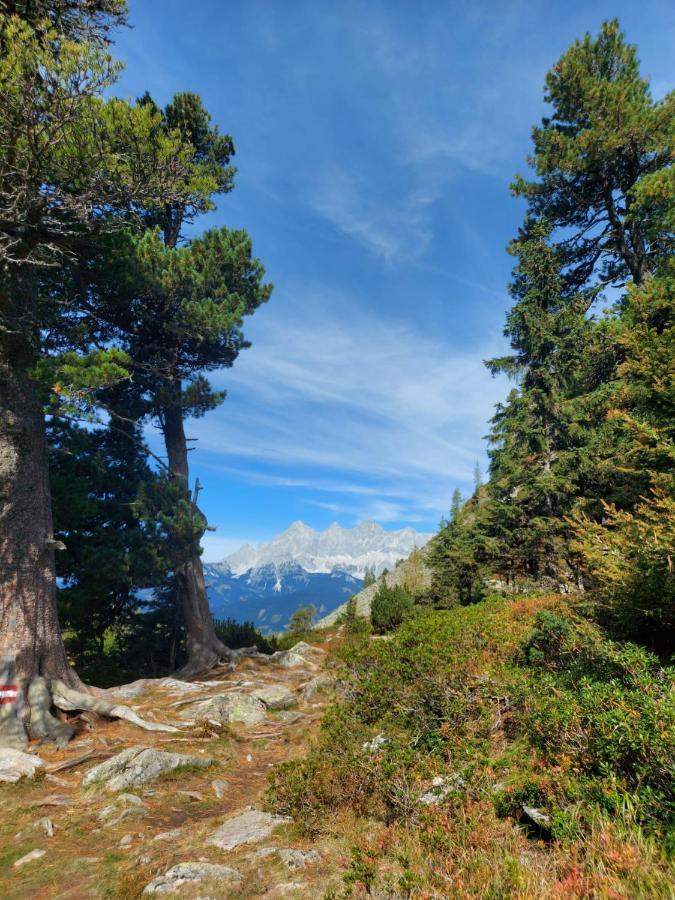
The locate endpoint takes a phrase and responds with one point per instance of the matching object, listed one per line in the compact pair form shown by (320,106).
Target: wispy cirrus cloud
(392,228)
(381,418)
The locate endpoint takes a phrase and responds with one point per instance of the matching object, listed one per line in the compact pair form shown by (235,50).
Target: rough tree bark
(204,649)
(31,646)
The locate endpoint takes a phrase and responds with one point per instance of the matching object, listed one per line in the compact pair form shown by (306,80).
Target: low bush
(515,703)
(390,607)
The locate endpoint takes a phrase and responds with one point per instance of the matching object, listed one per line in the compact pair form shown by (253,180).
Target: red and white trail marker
(8,693)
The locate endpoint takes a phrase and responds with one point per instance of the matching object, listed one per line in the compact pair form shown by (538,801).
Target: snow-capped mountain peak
(352,550)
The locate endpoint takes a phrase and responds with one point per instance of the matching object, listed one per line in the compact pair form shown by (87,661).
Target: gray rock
(54,800)
(302,647)
(46,825)
(15,764)
(224,708)
(441,787)
(245,828)
(317,685)
(219,787)
(30,857)
(378,741)
(276,696)
(290,660)
(168,835)
(139,765)
(290,716)
(537,817)
(298,859)
(191,795)
(127,840)
(189,873)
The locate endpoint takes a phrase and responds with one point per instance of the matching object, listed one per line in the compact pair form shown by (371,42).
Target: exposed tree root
(69,700)
(42,725)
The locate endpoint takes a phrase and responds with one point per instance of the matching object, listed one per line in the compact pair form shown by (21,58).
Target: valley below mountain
(301,566)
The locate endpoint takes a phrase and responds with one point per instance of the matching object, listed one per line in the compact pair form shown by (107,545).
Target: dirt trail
(96,853)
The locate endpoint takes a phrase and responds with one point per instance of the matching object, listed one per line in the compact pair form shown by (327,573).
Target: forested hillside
(580,494)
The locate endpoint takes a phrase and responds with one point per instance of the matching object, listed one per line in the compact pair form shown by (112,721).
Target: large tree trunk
(204,649)
(30,638)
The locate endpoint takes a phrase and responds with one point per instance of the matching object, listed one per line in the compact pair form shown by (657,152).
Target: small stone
(56,780)
(246,828)
(29,857)
(219,788)
(378,741)
(45,824)
(130,799)
(54,800)
(168,835)
(302,647)
(537,817)
(123,808)
(192,795)
(290,660)
(15,764)
(276,696)
(127,840)
(189,873)
(317,685)
(298,859)
(441,787)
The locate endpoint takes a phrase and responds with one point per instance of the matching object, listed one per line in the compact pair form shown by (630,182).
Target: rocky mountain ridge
(352,550)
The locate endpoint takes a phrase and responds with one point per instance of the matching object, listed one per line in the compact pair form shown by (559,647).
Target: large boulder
(189,873)
(223,708)
(247,827)
(276,696)
(139,765)
(15,764)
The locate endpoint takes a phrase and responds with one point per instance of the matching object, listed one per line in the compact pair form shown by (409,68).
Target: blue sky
(375,145)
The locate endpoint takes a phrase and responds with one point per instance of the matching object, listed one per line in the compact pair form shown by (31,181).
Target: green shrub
(352,622)
(391,606)
(517,694)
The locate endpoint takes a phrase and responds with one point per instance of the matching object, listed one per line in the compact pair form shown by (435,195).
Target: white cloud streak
(344,395)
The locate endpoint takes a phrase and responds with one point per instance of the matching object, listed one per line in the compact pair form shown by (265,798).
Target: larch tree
(71,164)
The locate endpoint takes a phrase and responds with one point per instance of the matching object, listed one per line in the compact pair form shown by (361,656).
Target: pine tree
(178,313)
(71,163)
(604,137)
(111,553)
(598,214)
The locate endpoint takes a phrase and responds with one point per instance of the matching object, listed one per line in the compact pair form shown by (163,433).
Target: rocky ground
(121,812)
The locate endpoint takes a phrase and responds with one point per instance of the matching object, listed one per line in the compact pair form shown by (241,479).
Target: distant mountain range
(352,550)
(267,583)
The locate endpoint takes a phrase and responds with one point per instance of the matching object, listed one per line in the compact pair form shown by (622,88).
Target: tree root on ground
(67,699)
(42,725)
